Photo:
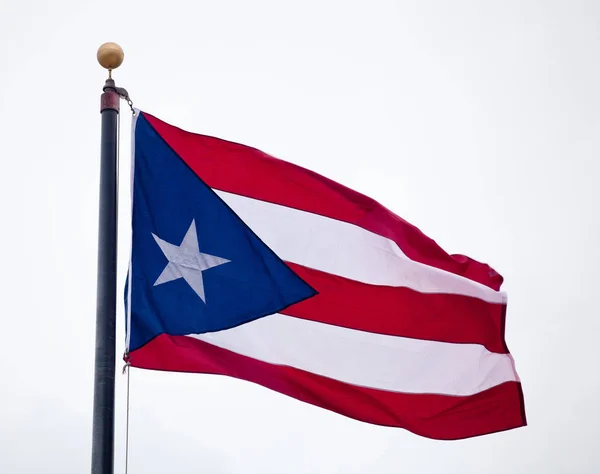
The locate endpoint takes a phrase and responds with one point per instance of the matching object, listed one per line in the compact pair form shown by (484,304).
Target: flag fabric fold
(249,266)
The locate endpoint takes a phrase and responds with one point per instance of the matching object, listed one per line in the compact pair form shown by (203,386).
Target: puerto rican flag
(248,266)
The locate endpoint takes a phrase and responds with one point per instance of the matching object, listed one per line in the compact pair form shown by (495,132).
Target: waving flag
(251,267)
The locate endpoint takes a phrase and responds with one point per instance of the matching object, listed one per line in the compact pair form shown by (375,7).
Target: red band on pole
(109,100)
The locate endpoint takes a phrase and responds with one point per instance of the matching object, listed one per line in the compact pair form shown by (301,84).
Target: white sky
(478,121)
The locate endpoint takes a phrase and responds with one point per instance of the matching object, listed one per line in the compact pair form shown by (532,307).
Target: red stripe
(249,172)
(400,311)
(433,416)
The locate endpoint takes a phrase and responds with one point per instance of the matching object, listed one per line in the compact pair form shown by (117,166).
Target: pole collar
(109,100)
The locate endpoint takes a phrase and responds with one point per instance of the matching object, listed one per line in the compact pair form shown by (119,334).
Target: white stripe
(366,359)
(130,273)
(347,250)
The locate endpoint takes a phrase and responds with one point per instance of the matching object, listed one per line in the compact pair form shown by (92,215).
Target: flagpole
(110,56)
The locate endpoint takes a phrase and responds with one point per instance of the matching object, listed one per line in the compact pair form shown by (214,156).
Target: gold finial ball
(110,56)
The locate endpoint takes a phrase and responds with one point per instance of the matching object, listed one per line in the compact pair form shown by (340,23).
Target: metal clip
(126,358)
(125,95)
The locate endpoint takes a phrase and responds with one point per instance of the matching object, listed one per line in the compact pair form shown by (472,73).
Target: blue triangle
(167,197)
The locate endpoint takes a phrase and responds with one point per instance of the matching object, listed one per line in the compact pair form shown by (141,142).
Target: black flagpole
(110,57)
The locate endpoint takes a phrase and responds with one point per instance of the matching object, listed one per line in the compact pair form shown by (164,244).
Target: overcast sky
(478,121)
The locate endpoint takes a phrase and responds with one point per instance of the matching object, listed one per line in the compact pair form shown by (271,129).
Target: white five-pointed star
(187,262)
